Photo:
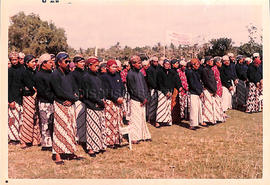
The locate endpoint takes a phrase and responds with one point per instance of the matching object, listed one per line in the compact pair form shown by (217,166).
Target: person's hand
(201,95)
(120,100)
(258,84)
(180,89)
(67,103)
(236,81)
(12,105)
(231,88)
(144,102)
(168,95)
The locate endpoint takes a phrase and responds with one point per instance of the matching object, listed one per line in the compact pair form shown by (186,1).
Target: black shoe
(192,128)
(46,148)
(148,140)
(92,154)
(59,163)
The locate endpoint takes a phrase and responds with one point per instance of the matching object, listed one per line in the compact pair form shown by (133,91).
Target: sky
(139,23)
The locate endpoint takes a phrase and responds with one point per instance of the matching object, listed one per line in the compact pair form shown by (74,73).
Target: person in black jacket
(64,89)
(241,88)
(210,88)
(151,79)
(45,98)
(29,131)
(77,74)
(114,94)
(15,109)
(138,91)
(196,94)
(166,80)
(94,101)
(254,99)
(228,81)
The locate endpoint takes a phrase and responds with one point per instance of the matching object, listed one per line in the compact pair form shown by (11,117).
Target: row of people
(88,105)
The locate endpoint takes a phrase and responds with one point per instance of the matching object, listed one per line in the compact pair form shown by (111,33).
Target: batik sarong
(208,107)
(46,112)
(195,110)
(14,122)
(113,119)
(254,100)
(138,127)
(95,130)
(80,120)
(226,99)
(126,105)
(153,103)
(164,109)
(219,116)
(30,131)
(241,95)
(63,130)
(175,107)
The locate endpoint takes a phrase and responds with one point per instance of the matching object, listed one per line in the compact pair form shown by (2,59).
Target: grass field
(228,150)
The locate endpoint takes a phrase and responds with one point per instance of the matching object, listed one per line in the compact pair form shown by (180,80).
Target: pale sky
(103,23)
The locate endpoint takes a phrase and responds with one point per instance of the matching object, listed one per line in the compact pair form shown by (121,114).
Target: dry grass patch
(228,150)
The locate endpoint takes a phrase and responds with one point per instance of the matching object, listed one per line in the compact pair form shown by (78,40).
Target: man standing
(64,114)
(15,109)
(45,96)
(138,91)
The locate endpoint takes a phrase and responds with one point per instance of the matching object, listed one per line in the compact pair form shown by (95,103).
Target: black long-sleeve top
(93,89)
(113,86)
(208,79)
(167,81)
(254,75)
(226,76)
(151,77)
(194,82)
(241,71)
(232,66)
(177,79)
(44,90)
(28,82)
(77,74)
(63,86)
(15,85)
(136,85)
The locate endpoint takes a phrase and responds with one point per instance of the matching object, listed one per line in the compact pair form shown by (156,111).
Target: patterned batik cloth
(226,99)
(46,112)
(164,109)
(138,127)
(175,107)
(254,99)
(183,96)
(113,119)
(219,116)
(208,107)
(126,104)
(152,106)
(195,110)
(30,131)
(81,121)
(64,131)
(241,95)
(95,130)
(14,122)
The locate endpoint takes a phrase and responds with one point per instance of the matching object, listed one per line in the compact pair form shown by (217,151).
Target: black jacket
(177,79)
(43,86)
(254,74)
(194,81)
(28,82)
(15,85)
(208,79)
(77,74)
(241,71)
(113,86)
(167,81)
(63,86)
(151,77)
(93,89)
(226,76)
(136,85)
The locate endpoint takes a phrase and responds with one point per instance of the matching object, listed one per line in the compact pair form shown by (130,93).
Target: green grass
(229,150)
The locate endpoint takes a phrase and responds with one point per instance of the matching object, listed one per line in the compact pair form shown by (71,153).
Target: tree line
(30,34)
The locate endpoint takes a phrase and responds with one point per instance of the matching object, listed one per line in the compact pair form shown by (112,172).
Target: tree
(219,47)
(31,35)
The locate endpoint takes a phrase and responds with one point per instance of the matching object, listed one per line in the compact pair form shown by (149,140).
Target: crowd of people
(59,103)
